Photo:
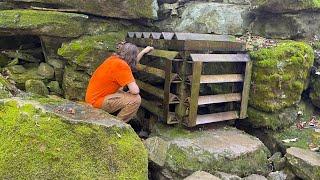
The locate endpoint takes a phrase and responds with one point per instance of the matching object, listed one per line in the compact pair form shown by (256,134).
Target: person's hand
(148,49)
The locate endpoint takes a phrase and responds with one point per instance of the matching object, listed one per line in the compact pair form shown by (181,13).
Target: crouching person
(105,89)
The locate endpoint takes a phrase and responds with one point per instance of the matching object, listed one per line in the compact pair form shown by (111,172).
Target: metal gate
(177,62)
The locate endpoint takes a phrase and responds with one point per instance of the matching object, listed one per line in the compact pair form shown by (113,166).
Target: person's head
(128,52)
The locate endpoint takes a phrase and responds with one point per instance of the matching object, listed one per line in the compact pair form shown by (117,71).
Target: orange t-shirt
(112,74)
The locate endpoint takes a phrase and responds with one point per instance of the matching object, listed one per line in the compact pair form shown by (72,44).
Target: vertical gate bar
(246,90)
(182,90)
(195,88)
(167,84)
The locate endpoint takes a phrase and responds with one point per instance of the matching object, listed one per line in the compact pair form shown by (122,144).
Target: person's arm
(143,52)
(133,88)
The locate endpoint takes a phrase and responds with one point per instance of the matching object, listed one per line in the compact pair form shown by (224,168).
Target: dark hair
(128,52)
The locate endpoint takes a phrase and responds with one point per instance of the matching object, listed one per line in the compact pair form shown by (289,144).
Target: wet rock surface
(305,163)
(178,152)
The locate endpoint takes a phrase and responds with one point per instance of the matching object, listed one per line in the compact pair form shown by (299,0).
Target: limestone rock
(214,18)
(54,88)
(47,23)
(145,9)
(55,138)
(228,150)
(255,177)
(281,119)
(278,175)
(89,52)
(286,6)
(36,87)
(202,175)
(75,84)
(46,71)
(279,75)
(287,26)
(304,163)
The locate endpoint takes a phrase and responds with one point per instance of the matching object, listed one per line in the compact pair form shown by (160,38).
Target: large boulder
(304,163)
(127,9)
(88,52)
(214,18)
(280,75)
(177,153)
(202,175)
(287,26)
(48,23)
(285,6)
(75,84)
(284,118)
(46,138)
(4,91)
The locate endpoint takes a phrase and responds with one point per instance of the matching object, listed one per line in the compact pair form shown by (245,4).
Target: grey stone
(201,175)
(126,9)
(46,71)
(286,6)
(304,163)
(229,149)
(255,177)
(214,18)
(157,149)
(277,161)
(278,175)
(36,87)
(226,176)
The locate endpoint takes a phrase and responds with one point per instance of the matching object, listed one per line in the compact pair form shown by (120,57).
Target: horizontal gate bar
(170,55)
(224,78)
(158,72)
(220,57)
(152,107)
(221,98)
(217,117)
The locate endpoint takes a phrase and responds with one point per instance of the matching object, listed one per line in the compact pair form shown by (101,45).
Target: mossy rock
(279,75)
(20,75)
(54,88)
(35,22)
(285,6)
(281,119)
(36,87)
(315,91)
(43,141)
(127,9)
(4,60)
(75,84)
(88,52)
(178,152)
(4,91)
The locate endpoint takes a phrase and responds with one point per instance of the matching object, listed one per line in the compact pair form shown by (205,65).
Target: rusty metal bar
(245,91)
(220,98)
(167,85)
(173,99)
(169,55)
(195,88)
(217,117)
(220,57)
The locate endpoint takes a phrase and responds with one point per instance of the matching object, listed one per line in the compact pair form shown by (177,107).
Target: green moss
(43,22)
(315,91)
(36,145)
(183,161)
(279,75)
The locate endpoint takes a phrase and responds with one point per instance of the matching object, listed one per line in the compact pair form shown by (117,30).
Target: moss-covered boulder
(75,84)
(280,75)
(57,139)
(177,153)
(20,75)
(304,163)
(302,111)
(36,87)
(88,52)
(45,70)
(127,9)
(286,6)
(315,91)
(54,88)
(4,60)
(35,22)
(4,91)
